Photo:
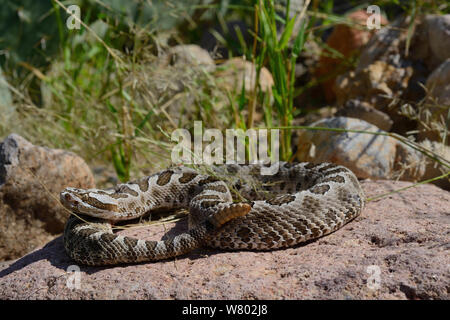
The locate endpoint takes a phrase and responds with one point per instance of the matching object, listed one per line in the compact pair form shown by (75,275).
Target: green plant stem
(411,186)
(404,140)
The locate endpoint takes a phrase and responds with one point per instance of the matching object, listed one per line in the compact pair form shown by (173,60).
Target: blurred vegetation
(101,91)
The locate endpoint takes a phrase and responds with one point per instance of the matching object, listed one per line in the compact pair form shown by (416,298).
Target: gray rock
(434,122)
(438,31)
(396,249)
(438,84)
(412,165)
(386,45)
(31,178)
(364,111)
(367,155)
(378,84)
(236,72)
(386,75)
(190,55)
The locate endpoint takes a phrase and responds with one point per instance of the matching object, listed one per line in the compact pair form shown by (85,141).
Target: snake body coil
(301,202)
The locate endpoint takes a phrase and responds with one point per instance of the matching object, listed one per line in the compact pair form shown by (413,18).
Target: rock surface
(347,39)
(367,155)
(403,236)
(438,83)
(190,54)
(237,72)
(391,70)
(364,111)
(438,32)
(419,167)
(377,84)
(434,122)
(31,178)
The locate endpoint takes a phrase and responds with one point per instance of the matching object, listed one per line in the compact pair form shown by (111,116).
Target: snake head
(93,202)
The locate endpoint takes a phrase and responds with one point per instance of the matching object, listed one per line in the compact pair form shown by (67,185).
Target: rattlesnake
(300,202)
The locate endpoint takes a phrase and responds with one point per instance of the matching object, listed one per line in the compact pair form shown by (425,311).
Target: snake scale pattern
(301,202)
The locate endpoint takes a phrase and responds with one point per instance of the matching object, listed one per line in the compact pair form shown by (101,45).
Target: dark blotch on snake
(311,165)
(207,197)
(280,200)
(123,188)
(218,188)
(151,245)
(338,179)
(187,177)
(338,170)
(101,205)
(243,232)
(164,178)
(207,180)
(208,204)
(130,242)
(326,167)
(320,189)
(118,195)
(107,237)
(142,183)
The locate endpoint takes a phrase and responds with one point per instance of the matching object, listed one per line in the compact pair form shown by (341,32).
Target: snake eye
(69,198)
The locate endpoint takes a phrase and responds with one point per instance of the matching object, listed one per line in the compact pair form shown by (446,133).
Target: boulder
(396,249)
(438,32)
(412,165)
(190,55)
(369,155)
(31,178)
(377,84)
(434,122)
(236,72)
(364,111)
(346,39)
(438,84)
(394,66)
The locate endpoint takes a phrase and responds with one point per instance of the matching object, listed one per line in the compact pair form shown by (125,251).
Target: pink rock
(31,178)
(402,238)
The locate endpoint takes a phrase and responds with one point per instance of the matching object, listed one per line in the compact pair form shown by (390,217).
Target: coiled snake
(302,201)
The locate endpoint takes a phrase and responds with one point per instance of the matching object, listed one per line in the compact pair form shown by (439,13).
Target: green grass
(106,97)
(282,63)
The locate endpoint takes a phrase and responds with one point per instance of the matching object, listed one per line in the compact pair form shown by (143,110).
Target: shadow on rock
(52,251)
